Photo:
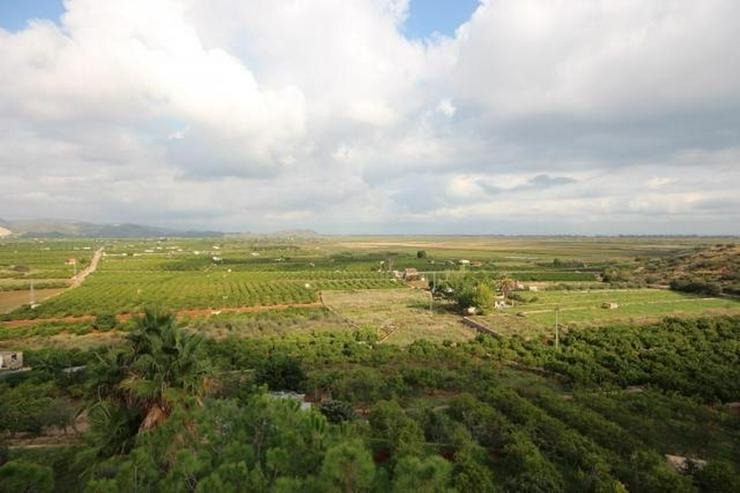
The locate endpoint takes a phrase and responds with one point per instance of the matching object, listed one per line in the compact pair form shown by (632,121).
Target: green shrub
(22,477)
(698,287)
(337,411)
(105,321)
(281,373)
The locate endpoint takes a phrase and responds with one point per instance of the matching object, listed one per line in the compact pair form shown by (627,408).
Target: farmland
(235,272)
(126,292)
(42,259)
(391,373)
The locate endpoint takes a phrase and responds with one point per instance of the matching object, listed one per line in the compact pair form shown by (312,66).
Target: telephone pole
(557,329)
(33,295)
(432,288)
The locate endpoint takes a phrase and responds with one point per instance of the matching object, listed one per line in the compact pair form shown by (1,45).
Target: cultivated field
(354,276)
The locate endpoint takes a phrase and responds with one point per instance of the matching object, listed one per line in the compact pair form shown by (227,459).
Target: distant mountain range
(53,228)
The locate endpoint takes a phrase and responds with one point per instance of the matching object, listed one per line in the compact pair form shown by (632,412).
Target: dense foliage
(171,412)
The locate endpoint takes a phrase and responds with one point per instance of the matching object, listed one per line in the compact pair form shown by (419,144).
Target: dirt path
(192,313)
(82,275)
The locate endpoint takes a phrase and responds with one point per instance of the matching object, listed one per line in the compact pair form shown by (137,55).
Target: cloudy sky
(370,116)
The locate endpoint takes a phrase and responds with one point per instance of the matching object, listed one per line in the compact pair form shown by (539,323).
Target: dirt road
(82,275)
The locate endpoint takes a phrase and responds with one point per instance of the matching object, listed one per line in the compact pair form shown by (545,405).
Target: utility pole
(557,329)
(33,295)
(431,291)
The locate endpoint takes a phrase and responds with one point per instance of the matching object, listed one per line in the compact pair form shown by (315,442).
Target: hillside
(52,228)
(701,269)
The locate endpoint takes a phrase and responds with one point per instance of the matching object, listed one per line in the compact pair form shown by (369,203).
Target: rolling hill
(52,228)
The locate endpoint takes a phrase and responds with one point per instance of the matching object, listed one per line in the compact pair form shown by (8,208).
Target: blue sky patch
(425,16)
(443,16)
(15,14)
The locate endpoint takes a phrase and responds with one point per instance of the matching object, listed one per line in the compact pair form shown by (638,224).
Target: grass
(581,308)
(65,335)
(293,321)
(529,248)
(400,316)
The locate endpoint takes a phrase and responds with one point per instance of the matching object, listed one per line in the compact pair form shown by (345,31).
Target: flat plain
(360,279)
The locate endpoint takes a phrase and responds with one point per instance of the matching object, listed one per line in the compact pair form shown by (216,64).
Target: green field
(233,272)
(398,316)
(43,259)
(130,292)
(582,308)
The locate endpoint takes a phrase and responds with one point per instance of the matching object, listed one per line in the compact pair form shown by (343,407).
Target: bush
(19,477)
(281,373)
(717,477)
(517,297)
(337,411)
(105,321)
(698,287)
(484,297)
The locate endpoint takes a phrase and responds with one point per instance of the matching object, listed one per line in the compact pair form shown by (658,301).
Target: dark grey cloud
(539,182)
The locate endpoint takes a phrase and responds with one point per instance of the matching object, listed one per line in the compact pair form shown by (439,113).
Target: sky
(374,116)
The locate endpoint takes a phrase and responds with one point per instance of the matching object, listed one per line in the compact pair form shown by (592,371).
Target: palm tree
(161,366)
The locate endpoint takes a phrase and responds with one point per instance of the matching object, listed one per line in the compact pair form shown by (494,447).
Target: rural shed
(11,360)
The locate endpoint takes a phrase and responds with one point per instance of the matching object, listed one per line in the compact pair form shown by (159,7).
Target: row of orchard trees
(161,419)
(171,412)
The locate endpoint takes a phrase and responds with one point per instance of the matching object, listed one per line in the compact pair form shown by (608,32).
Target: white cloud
(178,135)
(262,114)
(656,182)
(446,108)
